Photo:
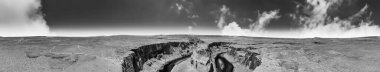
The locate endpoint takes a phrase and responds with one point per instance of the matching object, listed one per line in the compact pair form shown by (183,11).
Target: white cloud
(233,29)
(322,25)
(21,18)
(224,11)
(316,24)
(264,19)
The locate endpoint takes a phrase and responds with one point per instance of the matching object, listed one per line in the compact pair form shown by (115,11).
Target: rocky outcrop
(135,62)
(222,64)
(60,61)
(170,65)
(190,56)
(243,56)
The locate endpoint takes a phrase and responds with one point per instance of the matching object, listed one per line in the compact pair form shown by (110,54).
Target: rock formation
(195,55)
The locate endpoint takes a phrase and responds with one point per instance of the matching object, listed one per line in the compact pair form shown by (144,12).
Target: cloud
(224,11)
(233,29)
(264,19)
(319,24)
(316,23)
(190,29)
(317,10)
(256,29)
(22,18)
(185,7)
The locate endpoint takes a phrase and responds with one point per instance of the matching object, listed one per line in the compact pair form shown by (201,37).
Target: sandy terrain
(245,54)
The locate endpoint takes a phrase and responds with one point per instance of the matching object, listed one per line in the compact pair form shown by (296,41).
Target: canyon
(188,53)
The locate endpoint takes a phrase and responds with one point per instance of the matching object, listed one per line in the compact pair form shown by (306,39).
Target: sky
(256,18)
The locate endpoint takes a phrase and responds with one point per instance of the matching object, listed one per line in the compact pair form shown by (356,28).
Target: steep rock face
(136,61)
(189,57)
(222,64)
(170,65)
(243,56)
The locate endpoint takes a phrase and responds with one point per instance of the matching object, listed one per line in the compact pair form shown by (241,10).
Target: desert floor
(108,54)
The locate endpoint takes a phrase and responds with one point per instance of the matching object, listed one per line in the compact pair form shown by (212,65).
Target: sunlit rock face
(193,56)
